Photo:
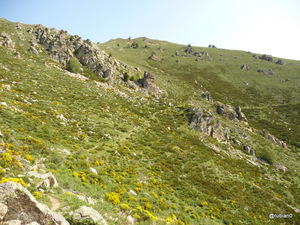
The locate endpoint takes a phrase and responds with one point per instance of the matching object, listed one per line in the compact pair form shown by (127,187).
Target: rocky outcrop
(249,150)
(6,41)
(154,57)
(231,112)
(240,115)
(273,139)
(280,62)
(206,96)
(266,57)
(270,72)
(206,122)
(18,26)
(88,213)
(62,47)
(149,84)
(17,203)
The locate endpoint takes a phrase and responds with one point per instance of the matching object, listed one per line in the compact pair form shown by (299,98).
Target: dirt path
(55,203)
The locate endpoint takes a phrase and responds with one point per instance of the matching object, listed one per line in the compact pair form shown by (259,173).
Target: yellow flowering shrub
(2,172)
(37,194)
(29,158)
(150,215)
(124,206)
(16,180)
(113,197)
(11,160)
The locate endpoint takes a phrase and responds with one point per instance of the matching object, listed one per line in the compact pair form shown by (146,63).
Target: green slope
(269,100)
(150,163)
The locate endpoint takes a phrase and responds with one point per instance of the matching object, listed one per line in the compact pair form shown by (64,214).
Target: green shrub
(73,65)
(135,77)
(268,154)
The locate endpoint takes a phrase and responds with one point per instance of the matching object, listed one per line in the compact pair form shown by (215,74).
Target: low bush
(73,65)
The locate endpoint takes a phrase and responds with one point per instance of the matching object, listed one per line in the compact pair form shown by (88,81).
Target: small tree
(126,77)
(73,65)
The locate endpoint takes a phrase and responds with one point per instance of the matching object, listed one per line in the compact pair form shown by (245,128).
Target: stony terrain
(147,132)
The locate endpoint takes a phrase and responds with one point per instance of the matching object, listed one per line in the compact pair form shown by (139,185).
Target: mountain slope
(270,101)
(133,151)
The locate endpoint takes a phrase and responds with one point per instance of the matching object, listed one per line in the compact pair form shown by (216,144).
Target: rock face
(273,139)
(17,203)
(149,84)
(84,213)
(206,122)
(62,47)
(6,41)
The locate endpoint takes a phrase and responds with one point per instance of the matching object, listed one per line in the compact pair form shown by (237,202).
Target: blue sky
(260,26)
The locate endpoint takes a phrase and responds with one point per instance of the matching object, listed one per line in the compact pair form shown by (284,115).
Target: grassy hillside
(270,101)
(150,163)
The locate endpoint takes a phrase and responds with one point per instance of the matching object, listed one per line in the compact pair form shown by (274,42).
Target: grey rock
(84,212)
(240,115)
(237,142)
(21,205)
(244,67)
(13,222)
(207,96)
(154,57)
(149,84)
(207,123)
(18,26)
(266,57)
(280,62)
(33,50)
(3,211)
(271,72)
(280,167)
(30,31)
(130,219)
(18,55)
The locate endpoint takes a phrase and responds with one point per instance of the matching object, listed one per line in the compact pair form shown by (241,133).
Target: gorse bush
(73,65)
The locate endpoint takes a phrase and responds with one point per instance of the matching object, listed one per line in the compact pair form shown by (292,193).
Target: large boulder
(88,213)
(33,50)
(17,203)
